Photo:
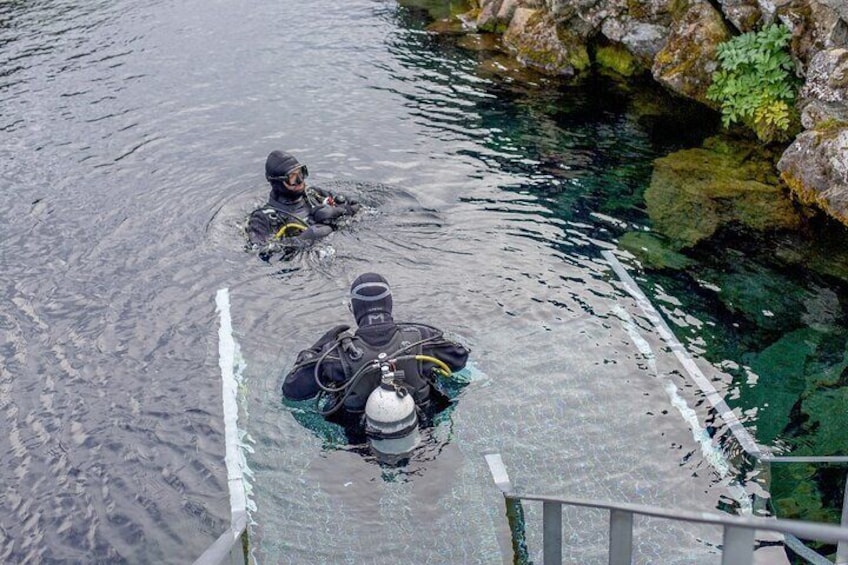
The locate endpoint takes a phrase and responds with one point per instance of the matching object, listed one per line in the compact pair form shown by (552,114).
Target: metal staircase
(739,531)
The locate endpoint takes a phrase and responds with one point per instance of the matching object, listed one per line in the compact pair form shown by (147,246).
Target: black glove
(314,232)
(326,214)
(351,207)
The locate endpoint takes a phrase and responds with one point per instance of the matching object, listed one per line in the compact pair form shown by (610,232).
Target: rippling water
(134,135)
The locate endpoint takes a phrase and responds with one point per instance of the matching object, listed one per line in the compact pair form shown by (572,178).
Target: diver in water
(294,214)
(342,369)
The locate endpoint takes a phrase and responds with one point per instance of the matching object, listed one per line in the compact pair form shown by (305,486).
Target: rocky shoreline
(792,194)
(675,42)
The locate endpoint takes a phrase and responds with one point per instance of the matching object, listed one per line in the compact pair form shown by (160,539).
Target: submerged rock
(817,424)
(695,191)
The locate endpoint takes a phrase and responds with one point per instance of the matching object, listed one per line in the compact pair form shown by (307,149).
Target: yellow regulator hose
(282,231)
(439,363)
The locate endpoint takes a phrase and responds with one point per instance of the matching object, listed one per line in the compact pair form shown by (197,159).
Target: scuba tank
(391,419)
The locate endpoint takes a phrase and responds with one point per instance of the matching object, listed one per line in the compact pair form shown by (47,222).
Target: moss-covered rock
(686,63)
(539,42)
(815,167)
(694,191)
(618,59)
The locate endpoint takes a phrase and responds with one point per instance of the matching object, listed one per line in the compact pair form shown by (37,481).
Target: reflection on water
(134,140)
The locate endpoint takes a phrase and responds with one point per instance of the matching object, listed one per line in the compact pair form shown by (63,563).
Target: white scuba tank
(391,421)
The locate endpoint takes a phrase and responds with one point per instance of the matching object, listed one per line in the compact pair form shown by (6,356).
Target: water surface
(134,138)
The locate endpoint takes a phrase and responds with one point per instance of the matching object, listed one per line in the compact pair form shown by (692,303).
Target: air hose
(282,231)
(439,363)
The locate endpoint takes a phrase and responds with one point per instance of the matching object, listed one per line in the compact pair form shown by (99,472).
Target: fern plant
(755,83)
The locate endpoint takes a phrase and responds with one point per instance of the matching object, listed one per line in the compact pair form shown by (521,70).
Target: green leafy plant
(756,84)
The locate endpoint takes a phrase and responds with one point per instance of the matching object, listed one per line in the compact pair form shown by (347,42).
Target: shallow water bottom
(560,401)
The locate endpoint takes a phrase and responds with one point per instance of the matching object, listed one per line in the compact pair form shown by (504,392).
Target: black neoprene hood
(279,164)
(370,294)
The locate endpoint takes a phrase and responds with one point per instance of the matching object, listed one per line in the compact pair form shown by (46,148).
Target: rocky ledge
(676,41)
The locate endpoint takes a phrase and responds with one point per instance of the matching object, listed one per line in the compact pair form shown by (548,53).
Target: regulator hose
(441,364)
(295,226)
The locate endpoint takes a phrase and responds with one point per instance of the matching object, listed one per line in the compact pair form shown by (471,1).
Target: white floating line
(711,453)
(737,429)
(229,389)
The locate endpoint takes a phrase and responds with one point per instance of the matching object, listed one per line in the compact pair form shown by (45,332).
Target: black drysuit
(314,209)
(374,333)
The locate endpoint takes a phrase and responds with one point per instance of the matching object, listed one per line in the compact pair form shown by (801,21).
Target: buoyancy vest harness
(290,223)
(362,361)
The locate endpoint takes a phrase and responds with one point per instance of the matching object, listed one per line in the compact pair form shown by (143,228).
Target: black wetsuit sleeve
(449,352)
(299,383)
(258,228)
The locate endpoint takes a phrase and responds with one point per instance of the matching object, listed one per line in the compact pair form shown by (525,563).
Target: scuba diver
(382,374)
(295,215)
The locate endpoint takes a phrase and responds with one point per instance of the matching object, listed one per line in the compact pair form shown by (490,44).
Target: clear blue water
(134,137)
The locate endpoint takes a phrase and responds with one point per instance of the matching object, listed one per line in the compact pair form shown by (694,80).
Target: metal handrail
(737,429)
(226,548)
(738,546)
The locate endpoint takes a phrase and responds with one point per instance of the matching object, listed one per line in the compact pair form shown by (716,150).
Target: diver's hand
(327,213)
(349,205)
(314,232)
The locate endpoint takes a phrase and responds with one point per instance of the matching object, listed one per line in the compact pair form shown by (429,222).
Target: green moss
(578,57)
(492,26)
(678,8)
(830,127)
(802,193)
(637,9)
(618,59)
(694,191)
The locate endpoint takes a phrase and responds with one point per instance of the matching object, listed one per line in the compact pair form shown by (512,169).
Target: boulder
(815,167)
(745,15)
(687,61)
(815,25)
(643,40)
(695,191)
(537,41)
(827,77)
